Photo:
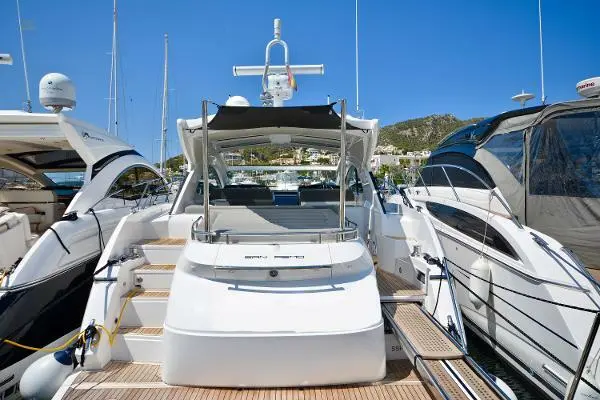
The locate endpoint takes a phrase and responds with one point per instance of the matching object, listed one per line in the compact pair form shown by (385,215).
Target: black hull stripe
(40,314)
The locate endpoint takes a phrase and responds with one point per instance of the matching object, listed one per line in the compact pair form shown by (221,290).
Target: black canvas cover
(311,117)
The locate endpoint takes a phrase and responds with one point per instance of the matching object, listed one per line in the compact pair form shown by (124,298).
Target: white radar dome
(589,87)
(57,92)
(237,101)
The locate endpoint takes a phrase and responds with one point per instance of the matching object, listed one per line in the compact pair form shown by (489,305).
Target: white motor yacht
(66,184)
(226,293)
(524,293)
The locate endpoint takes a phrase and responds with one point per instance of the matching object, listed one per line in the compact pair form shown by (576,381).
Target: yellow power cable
(111,335)
(48,350)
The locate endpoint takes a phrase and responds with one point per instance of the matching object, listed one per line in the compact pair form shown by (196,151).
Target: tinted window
(462,135)
(10,179)
(353,182)
(565,156)
(471,226)
(214,186)
(434,176)
(508,148)
(49,160)
(132,183)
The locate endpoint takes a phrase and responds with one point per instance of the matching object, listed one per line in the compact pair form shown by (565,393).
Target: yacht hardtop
(229,291)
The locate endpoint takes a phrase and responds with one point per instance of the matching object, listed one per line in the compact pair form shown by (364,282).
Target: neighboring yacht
(521,291)
(66,185)
(226,294)
(545,161)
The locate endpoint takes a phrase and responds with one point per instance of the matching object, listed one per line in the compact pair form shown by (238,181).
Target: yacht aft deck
(440,364)
(143,381)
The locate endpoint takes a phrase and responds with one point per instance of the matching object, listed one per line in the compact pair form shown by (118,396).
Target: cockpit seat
(14,236)
(248,195)
(322,196)
(41,206)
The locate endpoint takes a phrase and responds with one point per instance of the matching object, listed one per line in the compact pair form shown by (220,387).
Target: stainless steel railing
(146,199)
(491,190)
(350,232)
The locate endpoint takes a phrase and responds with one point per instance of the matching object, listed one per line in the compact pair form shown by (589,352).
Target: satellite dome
(589,88)
(237,101)
(57,92)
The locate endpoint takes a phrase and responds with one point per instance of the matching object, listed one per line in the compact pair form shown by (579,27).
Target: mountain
(421,133)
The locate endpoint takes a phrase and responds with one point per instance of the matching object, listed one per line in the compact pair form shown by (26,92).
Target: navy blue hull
(36,315)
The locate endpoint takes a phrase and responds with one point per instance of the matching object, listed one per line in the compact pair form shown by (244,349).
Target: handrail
(145,183)
(485,185)
(334,235)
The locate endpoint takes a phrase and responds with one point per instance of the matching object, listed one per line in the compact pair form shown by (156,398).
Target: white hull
(541,340)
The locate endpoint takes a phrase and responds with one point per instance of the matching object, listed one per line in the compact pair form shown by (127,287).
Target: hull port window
(471,226)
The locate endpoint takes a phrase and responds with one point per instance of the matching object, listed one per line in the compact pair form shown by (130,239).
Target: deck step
(145,308)
(160,251)
(419,334)
(394,289)
(163,242)
(138,344)
(154,276)
(472,386)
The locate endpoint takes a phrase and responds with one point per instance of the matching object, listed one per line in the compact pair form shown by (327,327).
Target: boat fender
(504,387)
(43,378)
(479,289)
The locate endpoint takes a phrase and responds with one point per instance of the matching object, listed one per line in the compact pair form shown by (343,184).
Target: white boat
(226,294)
(286,181)
(52,229)
(524,293)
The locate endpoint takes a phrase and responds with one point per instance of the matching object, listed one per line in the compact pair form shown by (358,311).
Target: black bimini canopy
(310,117)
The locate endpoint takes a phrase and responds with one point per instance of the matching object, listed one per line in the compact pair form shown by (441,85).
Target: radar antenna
(523,98)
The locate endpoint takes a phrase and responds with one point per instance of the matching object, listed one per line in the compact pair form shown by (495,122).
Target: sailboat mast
(356,56)
(28,101)
(163,139)
(115,66)
(112,86)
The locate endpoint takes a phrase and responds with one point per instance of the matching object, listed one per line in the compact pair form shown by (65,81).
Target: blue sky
(466,57)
